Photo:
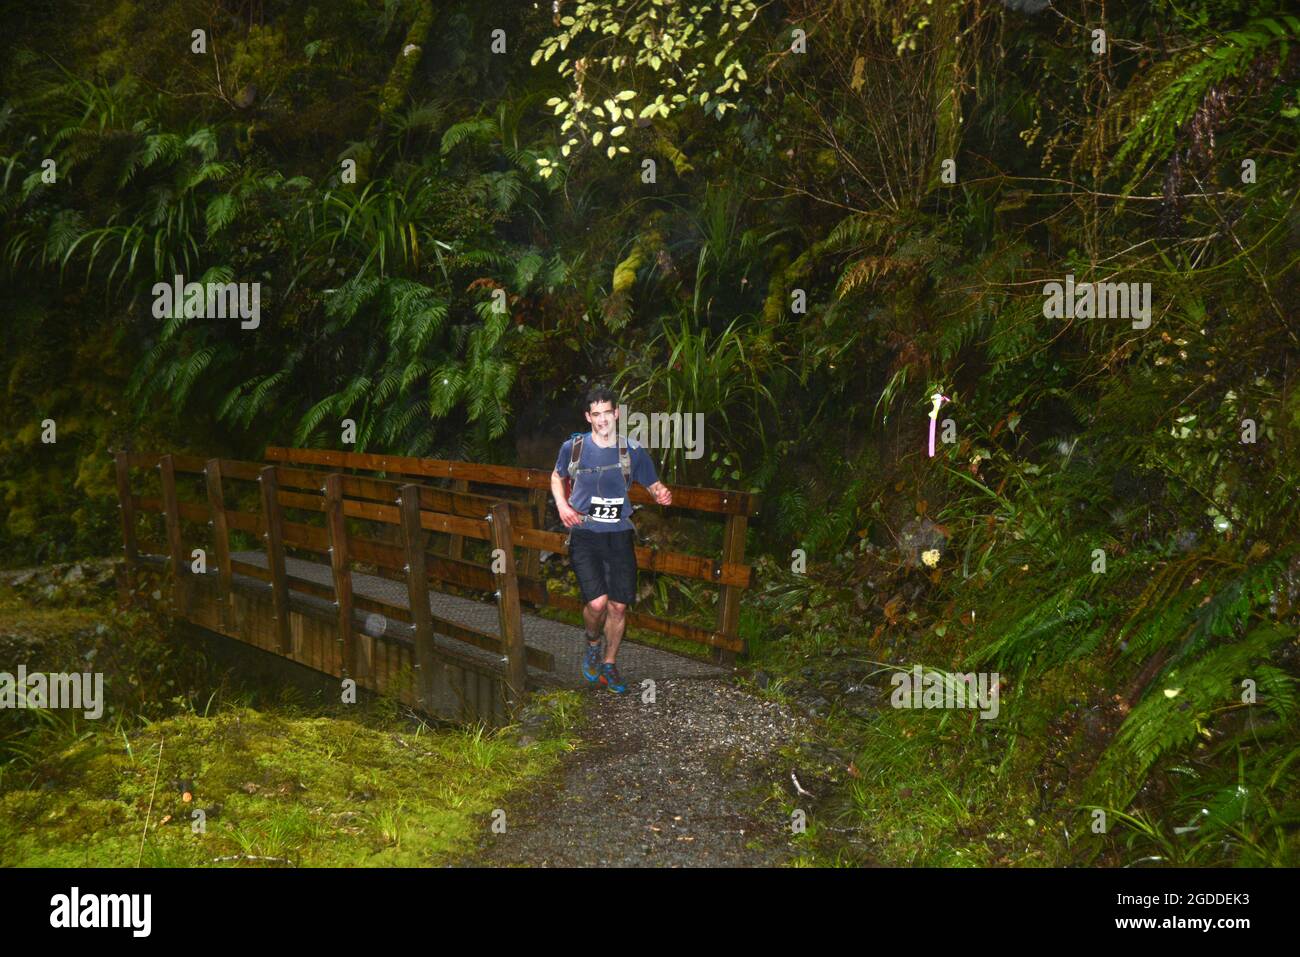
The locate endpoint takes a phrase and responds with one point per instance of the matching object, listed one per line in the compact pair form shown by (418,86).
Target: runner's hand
(663,495)
(569,515)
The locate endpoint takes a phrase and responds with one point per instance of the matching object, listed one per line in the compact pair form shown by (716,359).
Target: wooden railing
(414,508)
(486,513)
(728,571)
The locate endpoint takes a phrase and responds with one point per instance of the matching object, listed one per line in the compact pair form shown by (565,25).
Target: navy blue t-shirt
(602,497)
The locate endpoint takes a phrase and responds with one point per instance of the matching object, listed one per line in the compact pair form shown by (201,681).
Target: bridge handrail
(729,571)
(399,504)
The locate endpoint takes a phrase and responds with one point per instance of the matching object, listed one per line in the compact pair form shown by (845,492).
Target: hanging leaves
(662,46)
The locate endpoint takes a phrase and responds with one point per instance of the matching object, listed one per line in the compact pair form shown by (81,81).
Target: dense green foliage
(492,257)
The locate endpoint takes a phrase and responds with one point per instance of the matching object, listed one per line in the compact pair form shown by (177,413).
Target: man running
(602,543)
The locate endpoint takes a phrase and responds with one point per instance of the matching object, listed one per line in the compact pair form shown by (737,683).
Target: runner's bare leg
(593,614)
(615,625)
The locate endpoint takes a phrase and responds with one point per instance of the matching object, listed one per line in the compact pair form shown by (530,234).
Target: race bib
(606,509)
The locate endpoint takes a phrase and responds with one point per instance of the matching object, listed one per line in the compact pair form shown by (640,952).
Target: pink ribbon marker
(938,400)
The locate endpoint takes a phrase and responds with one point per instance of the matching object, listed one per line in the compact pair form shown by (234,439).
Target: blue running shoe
(610,679)
(591,661)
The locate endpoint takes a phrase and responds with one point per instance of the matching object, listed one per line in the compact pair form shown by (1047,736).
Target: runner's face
(602,416)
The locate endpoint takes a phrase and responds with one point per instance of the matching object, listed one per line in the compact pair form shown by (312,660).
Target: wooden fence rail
(408,513)
(728,572)
(383,502)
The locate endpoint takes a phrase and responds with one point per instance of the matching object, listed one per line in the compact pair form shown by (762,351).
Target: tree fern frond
(189,371)
(221,212)
(258,398)
(415,369)
(387,385)
(1146,116)
(344,303)
(314,416)
(459,133)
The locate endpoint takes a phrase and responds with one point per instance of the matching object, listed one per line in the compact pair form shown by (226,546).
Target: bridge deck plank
(562,640)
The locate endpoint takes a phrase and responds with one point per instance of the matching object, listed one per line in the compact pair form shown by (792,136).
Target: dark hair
(600,393)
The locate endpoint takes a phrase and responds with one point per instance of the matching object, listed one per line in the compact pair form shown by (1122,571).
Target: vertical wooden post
(128,518)
(512,626)
(417,590)
(533,556)
(275,555)
(457,545)
(355,665)
(175,549)
(221,540)
(733,550)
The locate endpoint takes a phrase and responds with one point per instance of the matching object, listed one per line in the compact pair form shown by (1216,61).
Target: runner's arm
(568,514)
(557,489)
(643,472)
(662,493)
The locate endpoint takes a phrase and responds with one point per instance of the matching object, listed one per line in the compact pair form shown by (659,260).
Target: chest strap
(624,460)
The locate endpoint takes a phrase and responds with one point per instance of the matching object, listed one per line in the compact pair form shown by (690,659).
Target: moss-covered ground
(189,769)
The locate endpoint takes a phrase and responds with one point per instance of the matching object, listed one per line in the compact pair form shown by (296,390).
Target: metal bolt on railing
(399,500)
(406,568)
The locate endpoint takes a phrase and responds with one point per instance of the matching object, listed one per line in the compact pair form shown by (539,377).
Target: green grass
(307,791)
(366,785)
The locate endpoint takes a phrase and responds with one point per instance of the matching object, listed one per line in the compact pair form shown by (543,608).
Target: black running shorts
(605,563)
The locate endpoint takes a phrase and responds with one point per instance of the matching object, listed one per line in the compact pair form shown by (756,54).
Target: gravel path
(679,782)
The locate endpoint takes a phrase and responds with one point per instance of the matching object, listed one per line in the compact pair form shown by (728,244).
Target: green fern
(1179,707)
(1146,117)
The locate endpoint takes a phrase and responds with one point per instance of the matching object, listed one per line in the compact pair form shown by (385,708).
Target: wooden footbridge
(404,622)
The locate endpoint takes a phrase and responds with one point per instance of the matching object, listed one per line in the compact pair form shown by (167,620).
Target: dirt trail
(680,782)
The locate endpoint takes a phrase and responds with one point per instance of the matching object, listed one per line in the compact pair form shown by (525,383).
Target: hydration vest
(575,455)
